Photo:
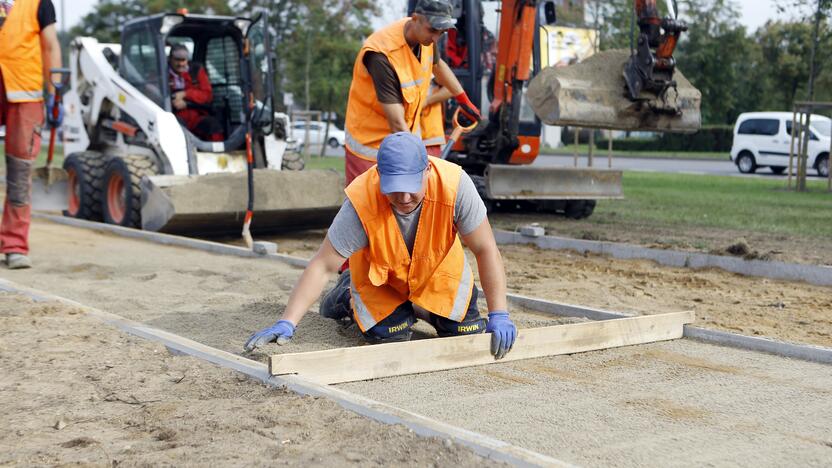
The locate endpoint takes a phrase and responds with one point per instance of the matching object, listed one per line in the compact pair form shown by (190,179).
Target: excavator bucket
(511,182)
(216,203)
(592,94)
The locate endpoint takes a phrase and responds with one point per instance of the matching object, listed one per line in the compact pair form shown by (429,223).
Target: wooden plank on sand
(412,357)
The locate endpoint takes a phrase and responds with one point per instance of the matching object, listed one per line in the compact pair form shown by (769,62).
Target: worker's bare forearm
(446,78)
(395,117)
(493,279)
(489,264)
(439,95)
(50,50)
(308,289)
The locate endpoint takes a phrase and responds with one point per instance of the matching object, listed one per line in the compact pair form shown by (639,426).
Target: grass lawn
(677,201)
(680,200)
(57,158)
(602,153)
(327,162)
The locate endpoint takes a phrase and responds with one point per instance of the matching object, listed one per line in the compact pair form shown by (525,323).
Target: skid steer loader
(131,162)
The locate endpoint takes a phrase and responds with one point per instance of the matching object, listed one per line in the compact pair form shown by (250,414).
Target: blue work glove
(54,121)
(503,333)
(281,332)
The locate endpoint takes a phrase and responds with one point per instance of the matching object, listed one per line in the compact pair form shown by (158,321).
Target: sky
(753,13)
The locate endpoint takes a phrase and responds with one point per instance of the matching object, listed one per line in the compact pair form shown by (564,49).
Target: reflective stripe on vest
(440,140)
(20,54)
(358,148)
(366,123)
(436,276)
(18,96)
(362,313)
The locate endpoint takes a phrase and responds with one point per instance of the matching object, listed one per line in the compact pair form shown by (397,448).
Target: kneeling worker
(399,228)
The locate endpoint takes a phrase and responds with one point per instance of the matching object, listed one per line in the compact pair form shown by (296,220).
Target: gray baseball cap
(438,12)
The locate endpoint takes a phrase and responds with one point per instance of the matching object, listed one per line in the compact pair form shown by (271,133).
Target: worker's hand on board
(54,111)
(503,333)
(281,332)
(467,108)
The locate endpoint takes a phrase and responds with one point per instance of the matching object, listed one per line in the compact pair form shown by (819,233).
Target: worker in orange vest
(29,48)
(390,82)
(399,229)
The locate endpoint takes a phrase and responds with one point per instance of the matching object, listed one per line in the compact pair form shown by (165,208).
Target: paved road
(682,166)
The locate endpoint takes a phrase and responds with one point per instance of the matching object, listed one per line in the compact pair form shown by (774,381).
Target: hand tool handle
(456,134)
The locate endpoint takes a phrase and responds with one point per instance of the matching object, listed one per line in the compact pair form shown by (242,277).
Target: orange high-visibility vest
(366,124)
(20,55)
(384,275)
(433,126)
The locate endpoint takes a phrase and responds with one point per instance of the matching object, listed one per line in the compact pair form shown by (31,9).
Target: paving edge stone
(779,348)
(481,444)
(752,343)
(813,274)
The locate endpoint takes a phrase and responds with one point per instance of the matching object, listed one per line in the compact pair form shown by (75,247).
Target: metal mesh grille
(222,62)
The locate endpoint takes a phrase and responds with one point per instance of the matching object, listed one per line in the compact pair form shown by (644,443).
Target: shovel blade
(50,190)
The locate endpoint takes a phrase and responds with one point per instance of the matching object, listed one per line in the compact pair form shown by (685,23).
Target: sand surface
(661,404)
(76,391)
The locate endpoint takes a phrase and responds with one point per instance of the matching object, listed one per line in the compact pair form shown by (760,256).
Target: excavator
(638,90)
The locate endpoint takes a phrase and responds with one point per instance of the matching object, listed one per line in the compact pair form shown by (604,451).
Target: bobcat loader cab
(131,162)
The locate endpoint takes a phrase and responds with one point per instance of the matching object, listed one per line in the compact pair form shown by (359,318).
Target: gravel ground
(672,403)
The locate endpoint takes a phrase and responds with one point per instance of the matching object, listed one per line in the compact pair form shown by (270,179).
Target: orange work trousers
(23,121)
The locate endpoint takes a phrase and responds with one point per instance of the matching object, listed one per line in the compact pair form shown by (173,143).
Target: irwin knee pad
(447,327)
(18,180)
(396,327)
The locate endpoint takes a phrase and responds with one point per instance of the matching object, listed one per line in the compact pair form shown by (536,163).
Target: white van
(762,139)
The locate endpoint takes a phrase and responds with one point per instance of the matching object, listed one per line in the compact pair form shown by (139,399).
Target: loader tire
(579,209)
(122,189)
(293,161)
(85,173)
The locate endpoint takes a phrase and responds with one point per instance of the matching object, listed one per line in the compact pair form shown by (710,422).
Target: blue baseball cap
(402,160)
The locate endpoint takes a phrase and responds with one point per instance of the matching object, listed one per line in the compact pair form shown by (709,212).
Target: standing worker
(397,62)
(399,229)
(29,48)
(433,119)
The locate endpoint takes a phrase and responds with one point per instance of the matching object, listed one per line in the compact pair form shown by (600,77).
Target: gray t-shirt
(347,233)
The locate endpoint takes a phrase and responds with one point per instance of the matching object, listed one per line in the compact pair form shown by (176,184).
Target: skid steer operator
(397,62)
(399,228)
(191,95)
(29,48)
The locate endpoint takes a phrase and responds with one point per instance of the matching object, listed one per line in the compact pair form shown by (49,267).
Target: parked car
(2,132)
(763,139)
(317,132)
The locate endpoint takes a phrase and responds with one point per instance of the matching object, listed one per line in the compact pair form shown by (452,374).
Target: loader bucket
(592,94)
(216,203)
(511,182)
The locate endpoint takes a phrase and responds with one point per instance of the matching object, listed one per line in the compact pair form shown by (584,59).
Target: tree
(785,54)
(105,21)
(719,59)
